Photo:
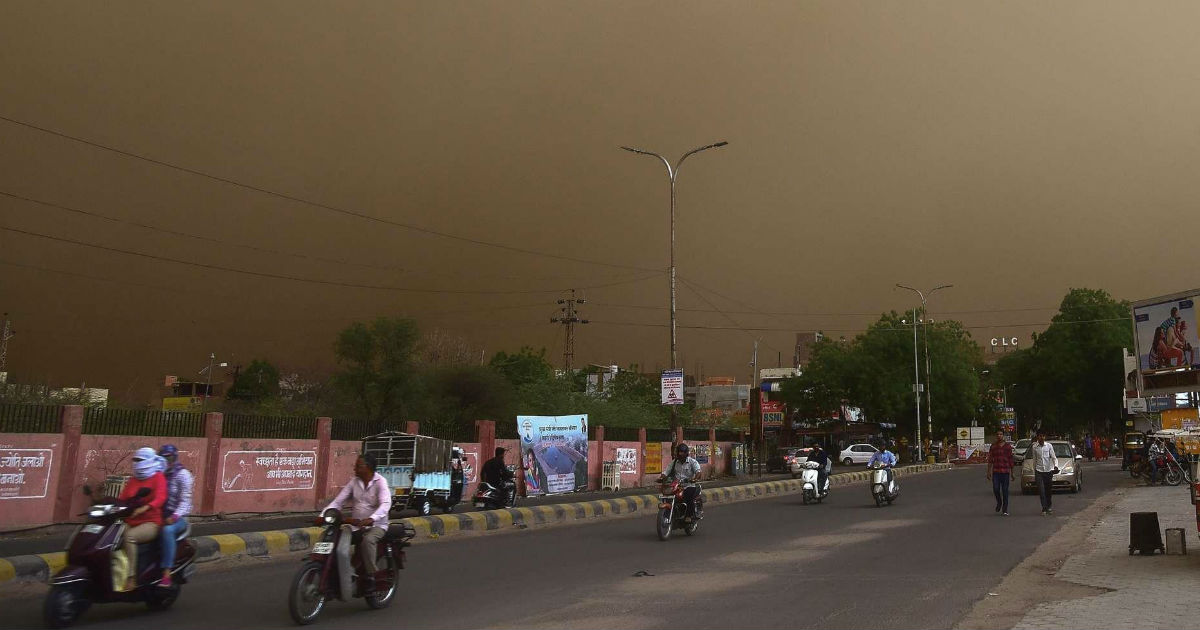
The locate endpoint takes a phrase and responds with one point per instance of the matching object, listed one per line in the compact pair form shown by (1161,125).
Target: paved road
(772,563)
(49,540)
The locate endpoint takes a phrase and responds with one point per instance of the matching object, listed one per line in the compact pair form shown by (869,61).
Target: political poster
(25,472)
(554,453)
(672,387)
(470,465)
(627,461)
(263,471)
(1166,335)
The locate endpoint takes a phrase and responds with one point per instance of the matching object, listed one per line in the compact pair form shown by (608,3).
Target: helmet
(168,450)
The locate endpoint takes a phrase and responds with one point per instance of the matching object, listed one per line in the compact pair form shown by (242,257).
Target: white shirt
(1044,459)
(370,500)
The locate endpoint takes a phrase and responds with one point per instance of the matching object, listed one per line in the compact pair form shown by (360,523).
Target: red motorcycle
(1169,470)
(333,570)
(672,509)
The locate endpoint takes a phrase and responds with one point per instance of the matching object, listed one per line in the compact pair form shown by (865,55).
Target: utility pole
(6,334)
(762,440)
(928,377)
(569,318)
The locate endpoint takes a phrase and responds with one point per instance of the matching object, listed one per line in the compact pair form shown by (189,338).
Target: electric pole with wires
(569,318)
(5,334)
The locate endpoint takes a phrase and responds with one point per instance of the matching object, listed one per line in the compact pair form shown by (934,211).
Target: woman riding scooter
(143,524)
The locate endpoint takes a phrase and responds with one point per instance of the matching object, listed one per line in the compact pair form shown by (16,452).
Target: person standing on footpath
(999,471)
(1045,466)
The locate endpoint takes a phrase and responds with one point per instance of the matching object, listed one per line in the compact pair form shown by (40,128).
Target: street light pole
(208,381)
(672,174)
(925,325)
(917,387)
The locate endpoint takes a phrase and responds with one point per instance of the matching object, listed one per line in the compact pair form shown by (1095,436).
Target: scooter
(672,510)
(88,577)
(331,571)
(809,475)
(489,497)
(882,490)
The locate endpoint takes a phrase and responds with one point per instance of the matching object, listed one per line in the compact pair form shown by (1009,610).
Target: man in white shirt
(369,500)
(1045,465)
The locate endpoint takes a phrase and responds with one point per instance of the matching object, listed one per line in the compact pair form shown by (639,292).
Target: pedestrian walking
(999,471)
(1045,466)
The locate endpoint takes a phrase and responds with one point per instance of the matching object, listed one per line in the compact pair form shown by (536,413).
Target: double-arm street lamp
(925,325)
(672,174)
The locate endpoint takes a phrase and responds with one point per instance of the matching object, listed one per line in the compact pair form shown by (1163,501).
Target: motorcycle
(672,510)
(88,577)
(489,497)
(881,489)
(332,571)
(809,475)
(1169,470)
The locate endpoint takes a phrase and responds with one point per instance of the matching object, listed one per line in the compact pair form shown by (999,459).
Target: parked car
(857,454)
(781,460)
(1019,450)
(794,462)
(1070,469)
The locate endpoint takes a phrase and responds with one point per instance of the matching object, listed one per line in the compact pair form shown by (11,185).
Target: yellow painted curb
(588,510)
(504,515)
(478,520)
(419,525)
(229,543)
(56,561)
(277,542)
(449,523)
(7,572)
(526,515)
(548,513)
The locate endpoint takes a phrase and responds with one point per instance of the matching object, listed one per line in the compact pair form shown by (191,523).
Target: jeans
(1154,470)
(1045,481)
(167,537)
(1000,489)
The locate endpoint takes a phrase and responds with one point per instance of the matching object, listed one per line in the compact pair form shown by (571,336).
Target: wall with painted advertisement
(554,453)
(1166,334)
(29,469)
(269,476)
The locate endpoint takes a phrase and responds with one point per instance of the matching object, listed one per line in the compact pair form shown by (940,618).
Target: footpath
(38,566)
(1084,576)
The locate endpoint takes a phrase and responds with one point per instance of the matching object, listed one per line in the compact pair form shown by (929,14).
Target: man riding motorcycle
(178,505)
(820,456)
(885,457)
(687,470)
(369,501)
(496,474)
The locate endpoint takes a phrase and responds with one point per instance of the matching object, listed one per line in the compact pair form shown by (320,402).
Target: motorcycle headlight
(98,511)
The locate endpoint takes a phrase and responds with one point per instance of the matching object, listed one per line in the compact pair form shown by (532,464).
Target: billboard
(653,458)
(772,413)
(554,453)
(1166,335)
(25,472)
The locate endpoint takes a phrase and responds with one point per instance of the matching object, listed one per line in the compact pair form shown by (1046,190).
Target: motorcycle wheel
(1174,477)
(63,605)
(305,599)
(690,528)
(806,498)
(878,501)
(162,598)
(664,524)
(383,599)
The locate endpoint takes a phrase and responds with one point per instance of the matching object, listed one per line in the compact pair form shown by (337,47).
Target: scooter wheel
(63,605)
(162,598)
(383,598)
(305,600)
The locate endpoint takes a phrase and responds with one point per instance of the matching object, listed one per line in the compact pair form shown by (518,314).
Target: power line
(803,314)
(568,319)
(317,204)
(275,276)
(727,316)
(255,248)
(905,329)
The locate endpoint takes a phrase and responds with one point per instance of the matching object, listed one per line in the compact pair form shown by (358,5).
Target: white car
(1019,451)
(857,454)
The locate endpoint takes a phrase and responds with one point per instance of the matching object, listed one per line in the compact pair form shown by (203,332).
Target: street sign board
(672,387)
(1136,405)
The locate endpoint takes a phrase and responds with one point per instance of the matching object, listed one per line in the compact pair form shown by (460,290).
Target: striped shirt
(1001,457)
(179,494)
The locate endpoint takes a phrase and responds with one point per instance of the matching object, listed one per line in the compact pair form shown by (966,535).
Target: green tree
(524,367)
(258,382)
(460,395)
(1070,379)
(377,373)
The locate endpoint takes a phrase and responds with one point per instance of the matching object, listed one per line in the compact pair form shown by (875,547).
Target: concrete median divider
(39,567)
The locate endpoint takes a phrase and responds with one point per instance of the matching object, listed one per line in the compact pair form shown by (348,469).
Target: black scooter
(87,579)
(489,497)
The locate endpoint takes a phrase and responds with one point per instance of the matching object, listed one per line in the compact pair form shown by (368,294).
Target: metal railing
(620,434)
(247,426)
(109,421)
(697,435)
(22,418)
(660,434)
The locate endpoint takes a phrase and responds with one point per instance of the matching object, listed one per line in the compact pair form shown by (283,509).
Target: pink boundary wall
(312,485)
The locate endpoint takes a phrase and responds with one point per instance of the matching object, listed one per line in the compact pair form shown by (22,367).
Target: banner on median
(554,453)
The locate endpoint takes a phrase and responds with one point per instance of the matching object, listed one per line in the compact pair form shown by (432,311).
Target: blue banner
(554,453)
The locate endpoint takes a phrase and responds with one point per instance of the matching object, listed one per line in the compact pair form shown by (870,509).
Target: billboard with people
(1166,334)
(554,453)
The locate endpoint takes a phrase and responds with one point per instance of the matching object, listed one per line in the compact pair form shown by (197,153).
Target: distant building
(804,345)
